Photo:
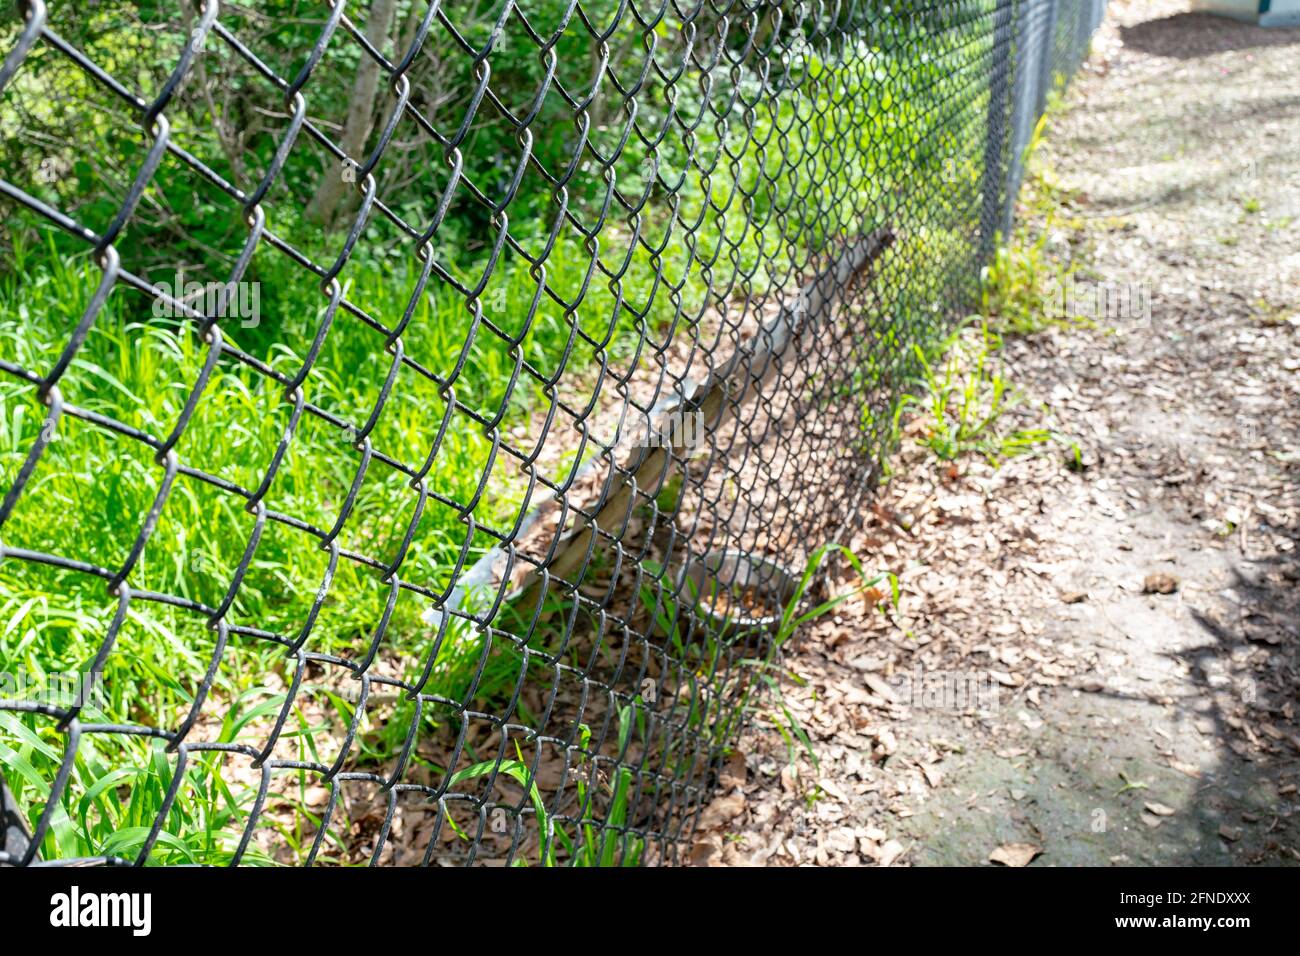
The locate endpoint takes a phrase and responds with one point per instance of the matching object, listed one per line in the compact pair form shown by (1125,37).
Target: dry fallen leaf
(721,810)
(1015,854)
(705,854)
(872,597)
(1159,582)
(889,853)
(734,772)
(1029,720)
(842,840)
(881,688)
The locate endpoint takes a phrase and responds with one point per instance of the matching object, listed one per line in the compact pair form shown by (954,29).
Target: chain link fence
(420,417)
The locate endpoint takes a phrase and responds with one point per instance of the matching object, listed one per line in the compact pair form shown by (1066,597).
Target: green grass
(605,841)
(965,395)
(1019,286)
(794,614)
(958,379)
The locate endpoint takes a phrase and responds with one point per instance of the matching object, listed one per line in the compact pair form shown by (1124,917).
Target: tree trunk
(337,183)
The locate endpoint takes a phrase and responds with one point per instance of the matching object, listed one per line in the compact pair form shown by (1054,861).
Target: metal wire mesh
(529,350)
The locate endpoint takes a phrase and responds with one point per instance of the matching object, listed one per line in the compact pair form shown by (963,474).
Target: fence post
(1022,119)
(1049,48)
(994,173)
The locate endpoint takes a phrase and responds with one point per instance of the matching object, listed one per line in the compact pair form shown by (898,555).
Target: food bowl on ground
(738,589)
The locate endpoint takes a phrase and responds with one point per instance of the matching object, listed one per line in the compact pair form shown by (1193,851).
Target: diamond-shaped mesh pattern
(549,340)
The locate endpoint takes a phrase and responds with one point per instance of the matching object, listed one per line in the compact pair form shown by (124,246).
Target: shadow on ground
(1150,767)
(1189,36)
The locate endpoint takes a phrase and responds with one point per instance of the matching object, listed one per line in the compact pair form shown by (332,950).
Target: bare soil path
(1093,664)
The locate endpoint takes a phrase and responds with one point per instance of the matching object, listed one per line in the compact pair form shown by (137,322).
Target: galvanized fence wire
(536,348)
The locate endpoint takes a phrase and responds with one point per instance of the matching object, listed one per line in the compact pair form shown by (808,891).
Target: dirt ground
(1094,661)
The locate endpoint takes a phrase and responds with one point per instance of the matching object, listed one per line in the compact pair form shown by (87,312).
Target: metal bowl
(719,577)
